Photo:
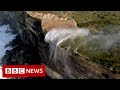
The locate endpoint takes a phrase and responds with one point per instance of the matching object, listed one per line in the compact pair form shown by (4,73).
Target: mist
(79,40)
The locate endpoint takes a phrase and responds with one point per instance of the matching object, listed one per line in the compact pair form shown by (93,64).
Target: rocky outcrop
(31,48)
(49,21)
(25,50)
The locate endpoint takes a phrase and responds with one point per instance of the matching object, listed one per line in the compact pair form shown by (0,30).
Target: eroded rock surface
(49,21)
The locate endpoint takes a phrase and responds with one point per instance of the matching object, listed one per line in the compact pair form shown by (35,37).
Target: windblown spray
(62,40)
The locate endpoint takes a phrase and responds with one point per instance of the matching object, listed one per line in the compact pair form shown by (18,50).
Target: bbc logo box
(23,71)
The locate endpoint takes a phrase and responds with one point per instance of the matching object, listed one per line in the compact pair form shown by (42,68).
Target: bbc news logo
(12,71)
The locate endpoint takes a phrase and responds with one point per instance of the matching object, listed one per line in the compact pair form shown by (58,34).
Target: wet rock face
(22,24)
(11,18)
(31,49)
(25,46)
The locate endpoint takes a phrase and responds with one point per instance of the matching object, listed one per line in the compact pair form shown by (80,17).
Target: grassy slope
(96,20)
(91,19)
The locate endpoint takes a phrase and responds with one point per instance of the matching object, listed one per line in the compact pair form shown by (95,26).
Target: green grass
(109,58)
(95,21)
(91,19)
(95,18)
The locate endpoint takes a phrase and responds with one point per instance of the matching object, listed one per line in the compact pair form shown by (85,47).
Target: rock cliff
(31,48)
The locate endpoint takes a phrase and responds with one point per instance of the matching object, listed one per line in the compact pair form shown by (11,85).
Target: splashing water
(5,37)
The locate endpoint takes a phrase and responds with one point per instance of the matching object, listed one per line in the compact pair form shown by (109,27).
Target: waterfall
(55,38)
(62,40)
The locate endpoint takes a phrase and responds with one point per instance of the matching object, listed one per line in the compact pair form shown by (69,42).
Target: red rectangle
(23,71)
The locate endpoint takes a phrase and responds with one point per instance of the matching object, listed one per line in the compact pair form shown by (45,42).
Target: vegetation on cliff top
(90,19)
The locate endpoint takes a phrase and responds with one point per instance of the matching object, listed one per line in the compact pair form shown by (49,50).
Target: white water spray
(56,37)
(61,41)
